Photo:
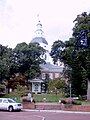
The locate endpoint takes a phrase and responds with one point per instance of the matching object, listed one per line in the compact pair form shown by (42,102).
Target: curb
(57,111)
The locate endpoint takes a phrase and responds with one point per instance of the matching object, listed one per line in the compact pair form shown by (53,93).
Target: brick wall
(29,106)
(82,108)
(79,108)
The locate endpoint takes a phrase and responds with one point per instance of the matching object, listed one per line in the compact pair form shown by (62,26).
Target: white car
(9,104)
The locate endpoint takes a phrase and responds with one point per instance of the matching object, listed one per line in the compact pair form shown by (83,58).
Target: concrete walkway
(56,111)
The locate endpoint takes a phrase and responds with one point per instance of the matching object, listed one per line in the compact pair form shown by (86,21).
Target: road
(24,115)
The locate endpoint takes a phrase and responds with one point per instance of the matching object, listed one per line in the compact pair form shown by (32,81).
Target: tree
(75,54)
(56,51)
(27,59)
(17,80)
(4,62)
(23,59)
(57,84)
(81,32)
(2,88)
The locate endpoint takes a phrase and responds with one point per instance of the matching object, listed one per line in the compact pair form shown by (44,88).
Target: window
(56,75)
(5,101)
(36,86)
(51,75)
(45,57)
(0,100)
(11,101)
(43,75)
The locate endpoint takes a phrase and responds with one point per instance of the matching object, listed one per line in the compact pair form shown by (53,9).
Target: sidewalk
(56,111)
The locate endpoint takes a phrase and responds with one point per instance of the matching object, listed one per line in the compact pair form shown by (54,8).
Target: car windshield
(11,101)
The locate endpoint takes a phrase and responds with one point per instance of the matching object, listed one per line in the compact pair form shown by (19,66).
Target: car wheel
(10,109)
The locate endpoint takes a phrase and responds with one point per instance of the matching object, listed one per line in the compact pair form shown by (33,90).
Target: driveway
(27,115)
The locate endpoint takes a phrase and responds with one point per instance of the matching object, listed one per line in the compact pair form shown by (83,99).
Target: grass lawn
(85,102)
(49,97)
(39,97)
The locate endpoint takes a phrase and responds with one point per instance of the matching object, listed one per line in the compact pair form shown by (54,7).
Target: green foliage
(57,84)
(24,59)
(75,54)
(2,87)
(20,91)
(28,58)
(77,103)
(4,62)
(56,51)
(17,80)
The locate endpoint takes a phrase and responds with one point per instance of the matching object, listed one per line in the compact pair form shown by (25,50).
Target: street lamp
(70,90)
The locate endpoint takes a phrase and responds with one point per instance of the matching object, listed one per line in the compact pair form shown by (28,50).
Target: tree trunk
(88,90)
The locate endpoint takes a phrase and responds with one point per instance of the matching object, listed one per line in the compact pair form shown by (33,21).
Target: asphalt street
(44,115)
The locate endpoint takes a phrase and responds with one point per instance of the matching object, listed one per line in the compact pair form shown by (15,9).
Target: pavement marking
(43,118)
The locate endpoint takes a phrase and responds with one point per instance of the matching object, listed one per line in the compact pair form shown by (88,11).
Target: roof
(51,68)
(39,40)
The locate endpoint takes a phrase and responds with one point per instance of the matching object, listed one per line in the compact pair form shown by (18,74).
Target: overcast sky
(18,19)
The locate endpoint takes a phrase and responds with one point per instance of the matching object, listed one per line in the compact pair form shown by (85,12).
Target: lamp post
(56,92)
(70,90)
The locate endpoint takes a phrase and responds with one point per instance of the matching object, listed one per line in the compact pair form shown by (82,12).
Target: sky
(18,19)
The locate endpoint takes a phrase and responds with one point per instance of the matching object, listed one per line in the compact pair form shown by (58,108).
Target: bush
(71,101)
(77,103)
(20,91)
(2,88)
(63,101)
(26,99)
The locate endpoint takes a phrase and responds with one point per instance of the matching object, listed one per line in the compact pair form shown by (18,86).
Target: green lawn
(38,97)
(85,102)
(49,97)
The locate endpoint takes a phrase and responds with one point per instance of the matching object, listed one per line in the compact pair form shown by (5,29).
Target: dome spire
(39,32)
(39,38)
(38,17)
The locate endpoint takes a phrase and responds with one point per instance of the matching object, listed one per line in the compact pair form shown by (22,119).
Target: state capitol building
(53,71)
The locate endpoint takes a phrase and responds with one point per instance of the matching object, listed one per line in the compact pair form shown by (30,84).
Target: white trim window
(43,75)
(51,75)
(56,75)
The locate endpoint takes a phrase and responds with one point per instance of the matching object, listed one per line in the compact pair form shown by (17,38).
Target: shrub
(68,101)
(77,103)
(71,101)
(63,101)
(20,91)
(26,99)
(2,87)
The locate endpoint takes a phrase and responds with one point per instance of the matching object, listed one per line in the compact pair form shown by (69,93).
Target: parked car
(9,104)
